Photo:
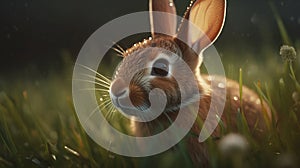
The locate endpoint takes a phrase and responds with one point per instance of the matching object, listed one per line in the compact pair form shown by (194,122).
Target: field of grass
(39,126)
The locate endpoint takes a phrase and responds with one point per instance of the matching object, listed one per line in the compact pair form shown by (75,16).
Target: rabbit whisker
(118,51)
(96,89)
(92,70)
(105,104)
(111,112)
(97,79)
(107,113)
(104,95)
(119,47)
(90,81)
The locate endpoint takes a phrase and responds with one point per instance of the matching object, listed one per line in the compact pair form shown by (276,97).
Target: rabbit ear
(206,15)
(161,22)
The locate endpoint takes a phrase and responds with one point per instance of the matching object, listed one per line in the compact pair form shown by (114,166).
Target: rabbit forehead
(142,59)
(165,42)
(136,62)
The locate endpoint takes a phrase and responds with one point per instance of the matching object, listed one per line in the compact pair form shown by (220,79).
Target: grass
(39,127)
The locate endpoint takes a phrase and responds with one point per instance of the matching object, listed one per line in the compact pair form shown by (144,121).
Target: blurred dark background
(36,32)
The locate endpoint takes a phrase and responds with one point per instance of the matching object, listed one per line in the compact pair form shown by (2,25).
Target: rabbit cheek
(138,96)
(171,90)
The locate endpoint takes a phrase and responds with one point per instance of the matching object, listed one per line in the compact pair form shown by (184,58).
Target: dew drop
(235,98)
(72,151)
(53,156)
(171,4)
(101,99)
(221,85)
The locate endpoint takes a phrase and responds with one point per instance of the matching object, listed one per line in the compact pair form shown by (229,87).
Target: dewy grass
(39,127)
(27,141)
(241,119)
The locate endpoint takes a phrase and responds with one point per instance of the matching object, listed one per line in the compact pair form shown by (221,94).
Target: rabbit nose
(118,88)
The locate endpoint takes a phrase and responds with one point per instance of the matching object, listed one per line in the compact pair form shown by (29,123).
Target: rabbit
(208,16)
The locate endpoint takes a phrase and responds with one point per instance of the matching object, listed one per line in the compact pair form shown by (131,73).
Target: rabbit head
(153,62)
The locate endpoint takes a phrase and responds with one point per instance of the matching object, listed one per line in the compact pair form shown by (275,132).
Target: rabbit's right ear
(206,15)
(162,22)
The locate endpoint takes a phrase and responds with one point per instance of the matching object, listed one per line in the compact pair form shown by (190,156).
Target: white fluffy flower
(233,143)
(288,52)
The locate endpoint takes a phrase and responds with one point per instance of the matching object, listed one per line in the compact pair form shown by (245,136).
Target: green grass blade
(280,24)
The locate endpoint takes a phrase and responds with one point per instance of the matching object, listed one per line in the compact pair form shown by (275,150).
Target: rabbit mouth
(125,104)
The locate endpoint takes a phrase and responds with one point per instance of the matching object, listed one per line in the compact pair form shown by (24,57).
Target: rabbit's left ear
(159,21)
(206,15)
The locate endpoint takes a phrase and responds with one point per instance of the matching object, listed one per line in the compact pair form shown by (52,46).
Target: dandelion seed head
(233,144)
(288,53)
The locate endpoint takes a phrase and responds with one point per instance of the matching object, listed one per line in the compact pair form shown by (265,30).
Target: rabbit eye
(160,68)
